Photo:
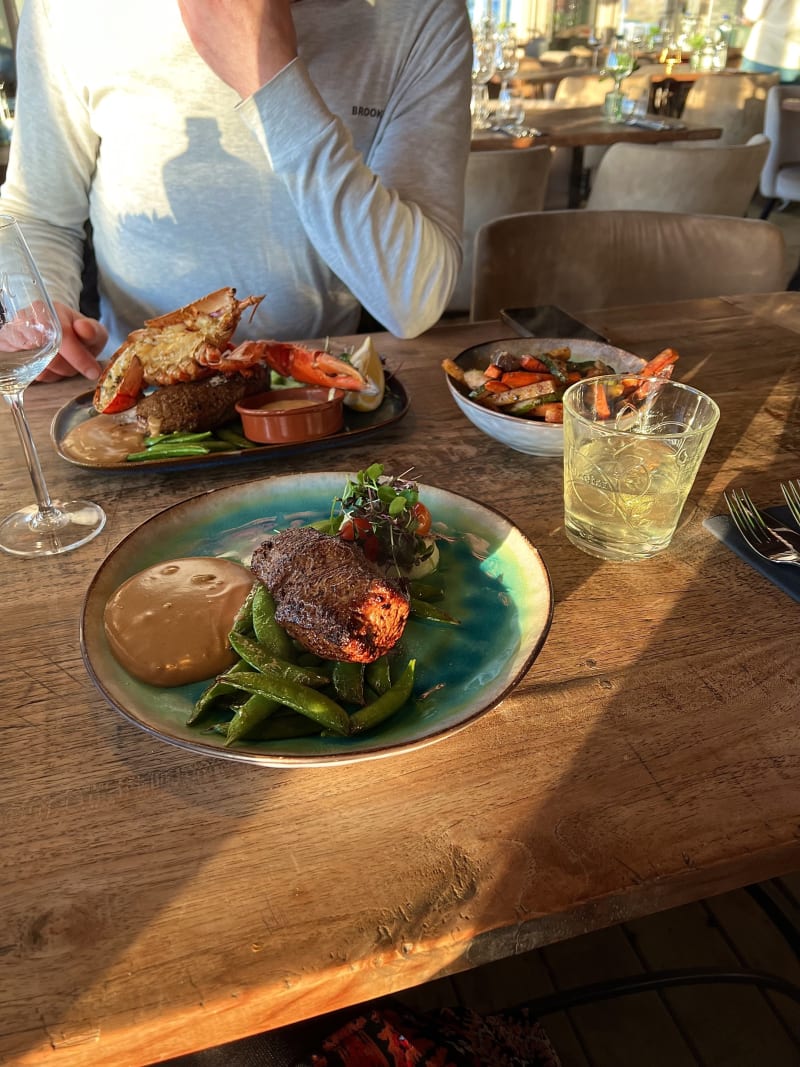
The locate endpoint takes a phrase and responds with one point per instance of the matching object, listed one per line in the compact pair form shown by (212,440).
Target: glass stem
(31,455)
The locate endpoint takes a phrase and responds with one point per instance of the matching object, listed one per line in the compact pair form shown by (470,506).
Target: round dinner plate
(496,584)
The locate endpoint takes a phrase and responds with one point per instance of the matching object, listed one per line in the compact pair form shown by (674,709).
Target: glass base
(625,552)
(59,528)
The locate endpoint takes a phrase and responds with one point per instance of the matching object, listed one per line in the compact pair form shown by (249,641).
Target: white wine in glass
(30,335)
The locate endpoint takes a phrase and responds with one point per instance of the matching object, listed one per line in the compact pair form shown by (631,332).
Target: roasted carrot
(495,387)
(493,371)
(532,363)
(601,404)
(515,378)
(453,370)
(657,365)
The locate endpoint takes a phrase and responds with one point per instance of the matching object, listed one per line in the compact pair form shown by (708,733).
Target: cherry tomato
(423,517)
(354,528)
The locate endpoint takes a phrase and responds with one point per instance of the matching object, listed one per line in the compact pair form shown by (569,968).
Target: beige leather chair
(581,259)
(498,182)
(588,90)
(780,177)
(711,180)
(734,100)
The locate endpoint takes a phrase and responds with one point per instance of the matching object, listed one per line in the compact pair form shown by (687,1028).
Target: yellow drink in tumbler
(627,476)
(626,494)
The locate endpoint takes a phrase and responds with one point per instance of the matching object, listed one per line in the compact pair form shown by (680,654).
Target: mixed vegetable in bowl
(531,385)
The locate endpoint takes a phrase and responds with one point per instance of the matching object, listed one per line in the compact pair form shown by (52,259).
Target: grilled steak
(329,596)
(197,406)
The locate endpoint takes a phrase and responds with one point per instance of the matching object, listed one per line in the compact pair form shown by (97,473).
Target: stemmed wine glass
(483,63)
(30,335)
(506,66)
(621,61)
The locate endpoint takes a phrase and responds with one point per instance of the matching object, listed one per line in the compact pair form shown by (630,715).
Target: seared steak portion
(329,596)
(197,406)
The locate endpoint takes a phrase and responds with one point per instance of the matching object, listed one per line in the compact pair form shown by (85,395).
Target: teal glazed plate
(495,581)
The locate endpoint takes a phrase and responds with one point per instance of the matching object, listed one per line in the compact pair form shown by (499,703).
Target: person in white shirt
(313,151)
(773,43)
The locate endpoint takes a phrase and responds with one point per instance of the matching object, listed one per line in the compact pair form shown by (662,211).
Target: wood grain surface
(155,901)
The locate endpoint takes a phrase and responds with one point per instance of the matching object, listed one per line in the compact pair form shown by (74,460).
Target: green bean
(348,681)
(263,660)
(233,437)
(243,623)
(422,610)
(309,702)
(392,700)
(168,452)
(377,675)
(254,711)
(177,438)
(270,633)
(215,445)
(218,688)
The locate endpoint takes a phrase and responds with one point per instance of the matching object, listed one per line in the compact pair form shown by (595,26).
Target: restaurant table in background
(578,127)
(156,901)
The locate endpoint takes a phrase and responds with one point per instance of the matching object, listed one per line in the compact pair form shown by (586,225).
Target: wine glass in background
(30,335)
(506,66)
(621,61)
(483,63)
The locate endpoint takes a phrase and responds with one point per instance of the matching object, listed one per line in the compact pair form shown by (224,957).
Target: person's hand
(82,340)
(245,42)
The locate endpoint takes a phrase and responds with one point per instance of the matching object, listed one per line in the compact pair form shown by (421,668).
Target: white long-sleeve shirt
(774,39)
(338,183)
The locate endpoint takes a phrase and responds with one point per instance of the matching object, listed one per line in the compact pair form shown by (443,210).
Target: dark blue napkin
(785,577)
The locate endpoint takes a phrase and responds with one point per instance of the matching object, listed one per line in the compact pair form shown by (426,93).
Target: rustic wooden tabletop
(157,901)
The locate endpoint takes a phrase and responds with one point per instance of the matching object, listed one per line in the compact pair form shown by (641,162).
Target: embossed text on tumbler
(632,448)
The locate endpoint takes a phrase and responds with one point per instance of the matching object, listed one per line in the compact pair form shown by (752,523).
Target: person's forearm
(389,228)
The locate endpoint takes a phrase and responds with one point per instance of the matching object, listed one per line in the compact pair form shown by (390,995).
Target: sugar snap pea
(423,610)
(315,705)
(270,633)
(392,700)
(426,590)
(264,660)
(254,711)
(218,688)
(281,727)
(348,681)
(377,675)
(244,616)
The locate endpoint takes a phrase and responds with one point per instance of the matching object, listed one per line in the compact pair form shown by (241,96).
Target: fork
(791,494)
(765,541)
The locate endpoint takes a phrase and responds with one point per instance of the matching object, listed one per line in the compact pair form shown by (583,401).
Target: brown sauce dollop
(103,439)
(168,625)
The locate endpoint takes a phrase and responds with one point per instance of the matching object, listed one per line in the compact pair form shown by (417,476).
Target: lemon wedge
(366,359)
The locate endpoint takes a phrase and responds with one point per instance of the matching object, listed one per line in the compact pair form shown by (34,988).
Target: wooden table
(578,127)
(155,901)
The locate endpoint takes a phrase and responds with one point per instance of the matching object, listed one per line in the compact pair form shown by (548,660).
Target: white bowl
(534,436)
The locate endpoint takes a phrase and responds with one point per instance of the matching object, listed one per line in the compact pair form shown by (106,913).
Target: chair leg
(768,207)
